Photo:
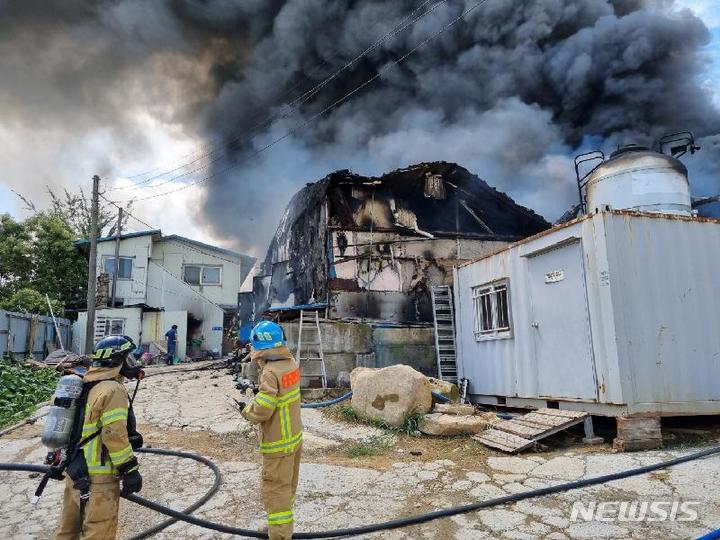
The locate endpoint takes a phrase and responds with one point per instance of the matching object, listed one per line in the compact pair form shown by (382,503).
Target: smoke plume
(512,91)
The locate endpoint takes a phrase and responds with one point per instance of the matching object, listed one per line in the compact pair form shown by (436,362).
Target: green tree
(58,268)
(38,257)
(30,301)
(74,209)
(15,260)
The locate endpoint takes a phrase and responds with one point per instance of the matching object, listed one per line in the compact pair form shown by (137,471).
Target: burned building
(369,249)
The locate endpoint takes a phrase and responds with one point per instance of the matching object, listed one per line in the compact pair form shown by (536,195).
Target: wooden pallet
(520,433)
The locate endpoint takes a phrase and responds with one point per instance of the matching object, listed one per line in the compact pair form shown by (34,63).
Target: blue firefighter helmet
(267,335)
(111,351)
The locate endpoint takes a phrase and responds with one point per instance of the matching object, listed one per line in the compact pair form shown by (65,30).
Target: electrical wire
(336,103)
(296,103)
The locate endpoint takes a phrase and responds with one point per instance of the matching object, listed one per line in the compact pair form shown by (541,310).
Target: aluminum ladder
(310,350)
(444,320)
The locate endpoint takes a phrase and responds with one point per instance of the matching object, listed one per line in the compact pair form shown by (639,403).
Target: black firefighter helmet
(112,351)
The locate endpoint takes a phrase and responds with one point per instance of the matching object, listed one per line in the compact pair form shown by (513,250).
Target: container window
(492,311)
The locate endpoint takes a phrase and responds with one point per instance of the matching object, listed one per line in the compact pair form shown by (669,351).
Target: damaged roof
(438,198)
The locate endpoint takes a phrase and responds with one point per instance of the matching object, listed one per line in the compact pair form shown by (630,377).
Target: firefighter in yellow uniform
(276,408)
(108,452)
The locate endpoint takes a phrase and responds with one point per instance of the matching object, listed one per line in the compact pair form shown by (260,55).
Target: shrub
(22,388)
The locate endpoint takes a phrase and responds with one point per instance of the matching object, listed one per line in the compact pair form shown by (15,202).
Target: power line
(341,100)
(294,104)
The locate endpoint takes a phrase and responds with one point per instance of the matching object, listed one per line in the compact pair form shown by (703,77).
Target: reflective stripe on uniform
(89,429)
(281,446)
(113,415)
(290,397)
(288,441)
(266,400)
(121,456)
(280,518)
(93,458)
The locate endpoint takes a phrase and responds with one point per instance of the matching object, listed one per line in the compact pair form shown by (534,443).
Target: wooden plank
(516,428)
(504,441)
(563,413)
(522,432)
(544,420)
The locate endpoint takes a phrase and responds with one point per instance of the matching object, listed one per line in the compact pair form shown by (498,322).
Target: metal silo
(637,178)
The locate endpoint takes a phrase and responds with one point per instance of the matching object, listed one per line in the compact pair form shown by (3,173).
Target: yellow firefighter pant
(280,475)
(101,513)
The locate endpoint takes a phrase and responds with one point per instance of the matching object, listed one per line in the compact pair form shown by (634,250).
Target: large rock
(390,394)
(454,408)
(449,390)
(452,424)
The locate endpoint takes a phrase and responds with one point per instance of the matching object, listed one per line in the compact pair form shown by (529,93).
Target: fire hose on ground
(320,404)
(185,516)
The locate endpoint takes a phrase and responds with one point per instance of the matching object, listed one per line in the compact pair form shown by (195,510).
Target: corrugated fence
(23,335)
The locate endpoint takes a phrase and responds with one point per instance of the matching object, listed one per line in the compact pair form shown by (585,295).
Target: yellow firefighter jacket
(276,407)
(106,412)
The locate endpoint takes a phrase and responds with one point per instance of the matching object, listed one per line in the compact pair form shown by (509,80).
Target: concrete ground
(193,411)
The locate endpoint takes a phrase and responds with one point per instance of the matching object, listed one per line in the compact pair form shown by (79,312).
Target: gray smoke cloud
(511,92)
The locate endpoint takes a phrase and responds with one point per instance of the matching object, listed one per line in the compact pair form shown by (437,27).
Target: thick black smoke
(511,92)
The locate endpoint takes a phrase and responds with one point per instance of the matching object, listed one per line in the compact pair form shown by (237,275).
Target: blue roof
(320,305)
(122,237)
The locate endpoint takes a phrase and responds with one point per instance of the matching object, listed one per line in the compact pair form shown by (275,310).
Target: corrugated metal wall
(15,331)
(654,312)
(666,303)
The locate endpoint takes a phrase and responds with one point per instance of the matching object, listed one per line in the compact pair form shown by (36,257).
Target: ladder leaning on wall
(310,349)
(444,320)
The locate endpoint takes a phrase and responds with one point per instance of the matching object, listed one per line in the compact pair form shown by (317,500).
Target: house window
(492,311)
(106,326)
(124,270)
(202,275)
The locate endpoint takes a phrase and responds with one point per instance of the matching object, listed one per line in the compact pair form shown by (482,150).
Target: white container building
(616,313)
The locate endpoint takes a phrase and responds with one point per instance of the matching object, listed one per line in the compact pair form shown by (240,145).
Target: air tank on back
(637,178)
(59,423)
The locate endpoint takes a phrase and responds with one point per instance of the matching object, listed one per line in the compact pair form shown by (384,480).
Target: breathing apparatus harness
(70,458)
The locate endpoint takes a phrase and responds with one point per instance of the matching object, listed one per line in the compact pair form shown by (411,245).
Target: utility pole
(116,267)
(92,268)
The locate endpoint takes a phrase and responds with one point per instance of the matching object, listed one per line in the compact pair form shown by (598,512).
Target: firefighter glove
(131,483)
(136,441)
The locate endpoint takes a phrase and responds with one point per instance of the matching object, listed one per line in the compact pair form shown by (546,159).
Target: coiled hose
(23,467)
(386,525)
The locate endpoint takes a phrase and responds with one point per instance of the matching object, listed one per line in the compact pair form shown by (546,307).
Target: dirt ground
(356,474)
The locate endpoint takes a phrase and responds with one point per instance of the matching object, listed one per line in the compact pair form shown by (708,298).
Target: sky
(117,157)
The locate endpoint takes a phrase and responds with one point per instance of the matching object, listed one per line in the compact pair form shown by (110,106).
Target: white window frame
(107,324)
(202,267)
(488,308)
(106,258)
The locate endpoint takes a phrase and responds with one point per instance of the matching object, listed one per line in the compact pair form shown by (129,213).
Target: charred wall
(372,247)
